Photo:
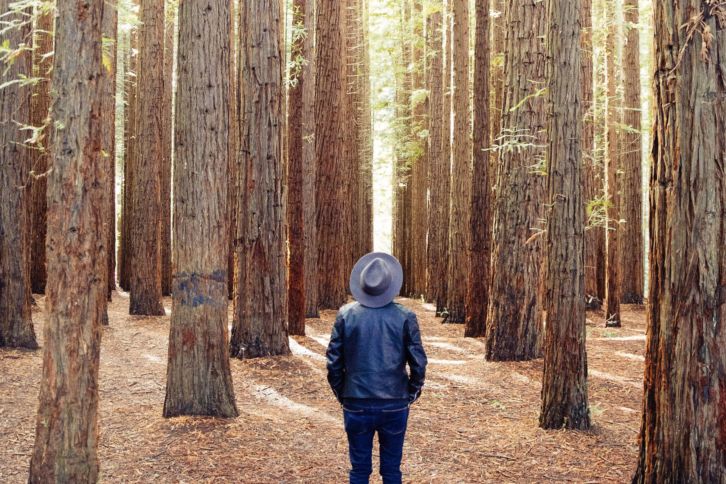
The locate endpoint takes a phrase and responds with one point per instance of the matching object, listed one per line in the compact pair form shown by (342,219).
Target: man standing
(373,340)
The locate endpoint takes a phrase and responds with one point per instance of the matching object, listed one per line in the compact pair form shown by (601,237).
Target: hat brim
(387,296)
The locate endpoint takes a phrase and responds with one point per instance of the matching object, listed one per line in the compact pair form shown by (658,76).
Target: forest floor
(476,421)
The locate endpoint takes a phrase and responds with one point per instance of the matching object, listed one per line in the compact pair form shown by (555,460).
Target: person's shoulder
(408,313)
(348,308)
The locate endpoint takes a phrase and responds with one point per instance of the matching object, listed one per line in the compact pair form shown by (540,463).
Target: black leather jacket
(368,352)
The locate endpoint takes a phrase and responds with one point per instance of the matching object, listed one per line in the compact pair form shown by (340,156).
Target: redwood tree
(683,437)
(564,384)
(199,381)
(260,310)
(477,299)
(146,212)
(330,151)
(460,163)
(66,437)
(166,150)
(514,317)
(16,325)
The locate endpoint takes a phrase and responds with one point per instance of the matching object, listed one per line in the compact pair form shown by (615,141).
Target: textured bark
(109,27)
(310,164)
(233,144)
(366,144)
(130,151)
(39,107)
(146,213)
(16,325)
(499,34)
(477,298)
(199,381)
(330,150)
(592,171)
(438,220)
(683,433)
(564,384)
(460,163)
(66,435)
(295,220)
(352,180)
(614,111)
(419,162)
(166,155)
(631,239)
(260,314)
(514,319)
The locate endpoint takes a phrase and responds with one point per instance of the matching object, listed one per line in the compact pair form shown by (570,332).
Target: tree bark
(39,107)
(477,299)
(330,150)
(438,220)
(166,154)
(631,239)
(310,163)
(564,384)
(146,213)
(260,314)
(367,135)
(233,144)
(295,218)
(614,110)
(460,163)
(199,381)
(16,325)
(514,318)
(66,435)
(683,432)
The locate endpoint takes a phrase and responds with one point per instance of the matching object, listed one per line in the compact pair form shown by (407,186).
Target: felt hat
(376,279)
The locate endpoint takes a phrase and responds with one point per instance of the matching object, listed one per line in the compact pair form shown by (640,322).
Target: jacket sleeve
(336,362)
(416,358)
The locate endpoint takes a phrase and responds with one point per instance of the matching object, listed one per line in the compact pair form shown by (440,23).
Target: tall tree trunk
(564,384)
(612,297)
(39,107)
(438,165)
(352,135)
(146,210)
(260,314)
(330,150)
(16,325)
(683,432)
(66,436)
(199,381)
(460,163)
(592,171)
(631,238)
(499,34)
(367,134)
(166,152)
(514,319)
(295,142)
(310,163)
(477,298)
(233,144)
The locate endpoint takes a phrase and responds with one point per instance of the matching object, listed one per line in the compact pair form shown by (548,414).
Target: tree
(233,144)
(631,239)
(614,115)
(39,107)
(146,209)
(295,218)
(199,381)
(592,171)
(682,431)
(330,150)
(166,150)
(260,314)
(564,384)
(438,178)
(477,298)
(66,436)
(514,317)
(309,163)
(460,163)
(16,325)
(366,133)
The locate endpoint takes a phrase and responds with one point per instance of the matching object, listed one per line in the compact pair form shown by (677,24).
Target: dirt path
(476,421)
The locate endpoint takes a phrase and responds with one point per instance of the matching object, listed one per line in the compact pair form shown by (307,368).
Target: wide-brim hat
(376,279)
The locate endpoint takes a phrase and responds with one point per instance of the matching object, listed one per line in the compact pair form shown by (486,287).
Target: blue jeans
(363,418)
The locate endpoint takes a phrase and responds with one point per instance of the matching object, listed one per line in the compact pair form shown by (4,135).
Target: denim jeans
(363,418)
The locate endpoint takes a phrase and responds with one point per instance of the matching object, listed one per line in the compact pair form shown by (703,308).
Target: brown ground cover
(476,421)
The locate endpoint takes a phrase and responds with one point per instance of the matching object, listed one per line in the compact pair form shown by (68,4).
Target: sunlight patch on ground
(154,359)
(630,356)
(621,338)
(272,397)
(614,378)
(435,361)
(321,340)
(458,378)
(429,307)
(299,350)
(448,346)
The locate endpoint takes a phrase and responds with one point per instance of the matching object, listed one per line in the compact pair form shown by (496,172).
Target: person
(372,341)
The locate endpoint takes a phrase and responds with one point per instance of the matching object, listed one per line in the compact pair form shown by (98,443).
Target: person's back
(372,342)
